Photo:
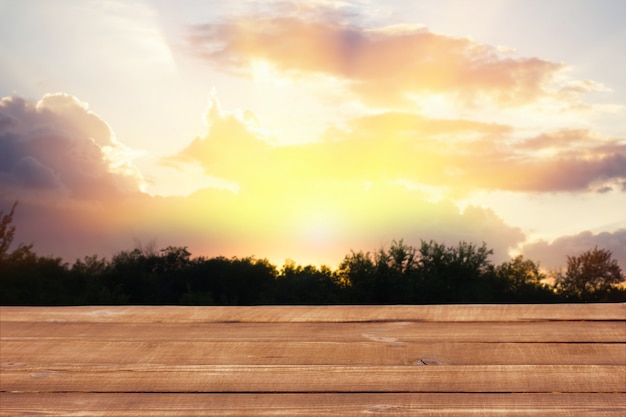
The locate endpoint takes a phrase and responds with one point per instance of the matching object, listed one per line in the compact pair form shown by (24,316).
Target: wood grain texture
(385,332)
(172,352)
(324,314)
(309,405)
(299,378)
(523,360)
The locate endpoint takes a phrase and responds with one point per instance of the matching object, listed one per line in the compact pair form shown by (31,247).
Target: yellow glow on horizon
(318,229)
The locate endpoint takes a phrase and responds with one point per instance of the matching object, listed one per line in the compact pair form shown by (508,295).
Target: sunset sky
(306,129)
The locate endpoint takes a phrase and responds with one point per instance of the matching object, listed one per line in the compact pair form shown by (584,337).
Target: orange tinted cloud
(381,66)
(232,149)
(459,155)
(466,155)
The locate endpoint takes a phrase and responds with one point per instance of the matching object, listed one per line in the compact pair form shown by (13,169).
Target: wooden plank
(327,314)
(385,332)
(310,405)
(349,360)
(172,352)
(294,378)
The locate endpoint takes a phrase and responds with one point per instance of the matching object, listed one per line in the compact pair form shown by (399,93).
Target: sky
(306,129)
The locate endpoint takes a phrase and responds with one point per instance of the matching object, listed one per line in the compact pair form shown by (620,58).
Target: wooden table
(521,360)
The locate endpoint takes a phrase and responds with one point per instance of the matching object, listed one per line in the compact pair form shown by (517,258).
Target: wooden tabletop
(457,360)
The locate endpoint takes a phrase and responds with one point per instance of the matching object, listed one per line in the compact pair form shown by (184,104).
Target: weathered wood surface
(313,405)
(526,360)
(324,314)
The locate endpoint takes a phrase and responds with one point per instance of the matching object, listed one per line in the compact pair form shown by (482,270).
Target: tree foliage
(431,273)
(590,276)
(7,234)
(522,280)
(7,231)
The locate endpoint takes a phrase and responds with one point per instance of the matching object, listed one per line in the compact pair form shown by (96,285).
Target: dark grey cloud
(32,173)
(58,145)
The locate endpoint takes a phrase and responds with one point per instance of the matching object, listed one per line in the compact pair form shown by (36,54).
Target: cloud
(32,173)
(381,66)
(234,148)
(365,183)
(456,154)
(58,145)
(291,201)
(381,147)
(393,65)
(568,160)
(468,155)
(554,255)
(343,191)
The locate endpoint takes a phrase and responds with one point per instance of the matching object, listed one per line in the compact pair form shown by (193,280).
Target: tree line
(431,273)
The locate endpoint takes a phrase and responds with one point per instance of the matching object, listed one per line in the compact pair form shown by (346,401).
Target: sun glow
(344,125)
(319,229)
(264,73)
(435,105)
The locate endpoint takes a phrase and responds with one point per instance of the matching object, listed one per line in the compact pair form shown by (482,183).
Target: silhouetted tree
(90,275)
(7,234)
(172,259)
(7,231)
(357,273)
(396,273)
(432,273)
(18,269)
(589,276)
(461,273)
(296,284)
(130,271)
(236,281)
(29,279)
(520,280)
(147,276)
